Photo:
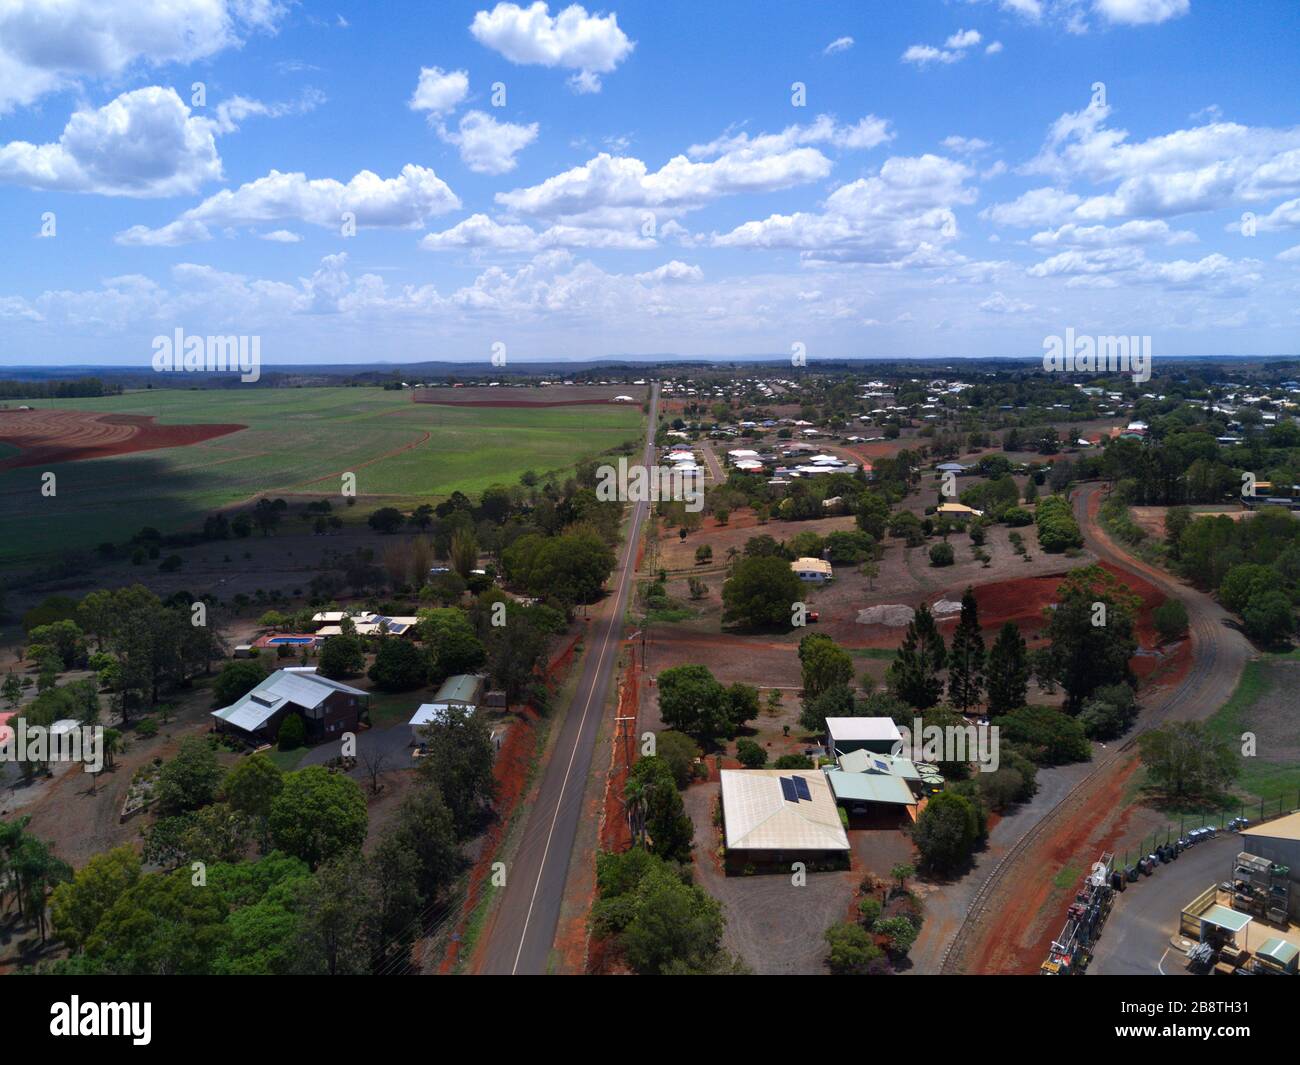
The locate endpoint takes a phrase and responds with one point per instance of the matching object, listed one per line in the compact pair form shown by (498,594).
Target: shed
(847,734)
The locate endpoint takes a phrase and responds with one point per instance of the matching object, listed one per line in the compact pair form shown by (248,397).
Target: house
(778,816)
(879,734)
(375,625)
(958,510)
(327,707)
(951,467)
(463,690)
(812,570)
(624,399)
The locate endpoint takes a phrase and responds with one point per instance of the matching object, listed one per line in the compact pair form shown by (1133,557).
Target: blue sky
(962,178)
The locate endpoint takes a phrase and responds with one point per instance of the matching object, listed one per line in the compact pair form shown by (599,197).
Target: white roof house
(780,810)
(812,569)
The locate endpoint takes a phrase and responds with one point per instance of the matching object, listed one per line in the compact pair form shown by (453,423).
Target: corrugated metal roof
(1280,950)
(301,686)
(758,815)
(460,688)
(871,762)
(1226,918)
(870,787)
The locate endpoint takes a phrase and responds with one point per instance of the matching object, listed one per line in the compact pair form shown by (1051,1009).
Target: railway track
(1208,641)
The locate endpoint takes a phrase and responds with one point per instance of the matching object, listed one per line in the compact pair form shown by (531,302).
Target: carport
(853,789)
(1218,920)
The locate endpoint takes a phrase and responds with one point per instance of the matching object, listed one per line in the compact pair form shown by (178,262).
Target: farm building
(812,570)
(774,815)
(846,734)
(327,707)
(463,690)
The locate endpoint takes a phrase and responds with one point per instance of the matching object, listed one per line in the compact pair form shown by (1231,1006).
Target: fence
(1264,810)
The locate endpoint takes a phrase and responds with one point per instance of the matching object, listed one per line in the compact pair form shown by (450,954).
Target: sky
(356,182)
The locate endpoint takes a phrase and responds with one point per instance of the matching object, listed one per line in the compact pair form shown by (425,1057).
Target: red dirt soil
(49,436)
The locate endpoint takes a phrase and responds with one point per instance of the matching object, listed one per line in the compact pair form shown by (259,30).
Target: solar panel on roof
(787,789)
(801,788)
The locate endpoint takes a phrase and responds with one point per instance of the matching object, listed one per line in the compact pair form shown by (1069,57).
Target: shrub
(941,555)
(750,754)
(292,733)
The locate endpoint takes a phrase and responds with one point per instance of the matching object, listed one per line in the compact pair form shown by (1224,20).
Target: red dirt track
(49,436)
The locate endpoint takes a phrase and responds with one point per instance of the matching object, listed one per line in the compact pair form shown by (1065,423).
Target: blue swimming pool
(275,640)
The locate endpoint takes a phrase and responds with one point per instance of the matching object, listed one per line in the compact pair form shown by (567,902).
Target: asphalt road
(1219,651)
(520,938)
(1145,917)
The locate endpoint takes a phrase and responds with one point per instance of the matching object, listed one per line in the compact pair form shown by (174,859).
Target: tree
(237,678)
(399,666)
(161,926)
(77,906)
(1109,713)
(1268,617)
(341,656)
(1048,735)
(760,592)
(851,951)
(340,925)
(252,785)
(900,933)
(941,554)
(12,690)
(292,732)
(703,554)
(655,916)
(966,656)
(750,754)
(458,762)
(1170,619)
(386,520)
(824,664)
(1186,760)
(454,646)
(1084,655)
(679,752)
(652,789)
(836,701)
(425,825)
(189,779)
(318,815)
(946,832)
(692,701)
(913,676)
(1008,670)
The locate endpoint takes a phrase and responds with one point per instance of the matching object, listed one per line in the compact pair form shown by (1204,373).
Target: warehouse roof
(775,809)
(1282,828)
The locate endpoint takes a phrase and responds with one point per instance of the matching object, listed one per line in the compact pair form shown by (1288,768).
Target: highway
(518,941)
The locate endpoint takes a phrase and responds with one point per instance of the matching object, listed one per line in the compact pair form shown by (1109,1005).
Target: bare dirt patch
(49,436)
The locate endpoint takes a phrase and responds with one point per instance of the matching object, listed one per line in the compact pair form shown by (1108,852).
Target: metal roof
(861,761)
(1280,950)
(863,728)
(302,687)
(1226,918)
(870,787)
(460,688)
(1282,828)
(762,813)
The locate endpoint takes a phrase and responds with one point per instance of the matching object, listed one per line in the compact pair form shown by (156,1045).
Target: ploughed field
(167,457)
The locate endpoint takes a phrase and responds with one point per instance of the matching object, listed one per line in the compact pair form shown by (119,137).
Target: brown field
(49,436)
(506,396)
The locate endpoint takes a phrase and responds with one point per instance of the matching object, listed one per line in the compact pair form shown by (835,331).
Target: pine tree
(966,658)
(1008,671)
(914,675)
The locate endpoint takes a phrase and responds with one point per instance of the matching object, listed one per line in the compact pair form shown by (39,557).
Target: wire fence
(1253,813)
